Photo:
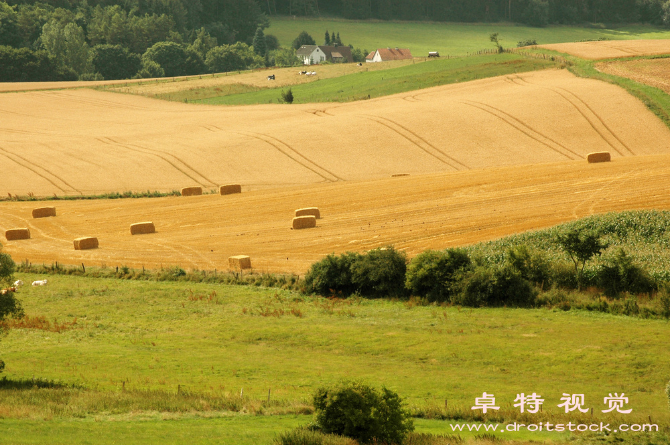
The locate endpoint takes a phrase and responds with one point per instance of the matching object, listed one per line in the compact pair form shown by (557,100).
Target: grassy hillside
(447,38)
(372,84)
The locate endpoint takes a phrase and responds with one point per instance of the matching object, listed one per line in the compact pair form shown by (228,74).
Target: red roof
(371,55)
(394,53)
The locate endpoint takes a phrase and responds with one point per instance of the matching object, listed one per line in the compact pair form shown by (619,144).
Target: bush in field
(363,413)
(434,274)
(9,305)
(490,286)
(380,273)
(622,275)
(532,265)
(331,275)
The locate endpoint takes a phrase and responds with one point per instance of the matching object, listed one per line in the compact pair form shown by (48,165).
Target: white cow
(18,283)
(40,283)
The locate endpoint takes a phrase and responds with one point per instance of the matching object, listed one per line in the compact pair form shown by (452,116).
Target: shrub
(7,269)
(287,96)
(532,265)
(434,274)
(363,413)
(527,42)
(331,275)
(501,286)
(380,273)
(621,275)
(150,70)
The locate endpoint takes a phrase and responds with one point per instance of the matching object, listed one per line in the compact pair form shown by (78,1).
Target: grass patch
(199,94)
(372,84)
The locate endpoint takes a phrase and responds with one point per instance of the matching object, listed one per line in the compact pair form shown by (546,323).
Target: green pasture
(455,39)
(372,84)
(136,344)
(225,430)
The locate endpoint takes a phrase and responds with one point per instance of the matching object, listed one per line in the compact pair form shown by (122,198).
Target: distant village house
(313,54)
(386,54)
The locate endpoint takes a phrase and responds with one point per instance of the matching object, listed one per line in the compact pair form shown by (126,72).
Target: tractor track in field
(525,129)
(593,125)
(419,142)
(294,155)
(28,165)
(163,156)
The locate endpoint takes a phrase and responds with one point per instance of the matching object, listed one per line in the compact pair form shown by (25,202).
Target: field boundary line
(482,106)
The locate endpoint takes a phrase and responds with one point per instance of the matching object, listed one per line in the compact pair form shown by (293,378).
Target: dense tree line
(96,39)
(534,12)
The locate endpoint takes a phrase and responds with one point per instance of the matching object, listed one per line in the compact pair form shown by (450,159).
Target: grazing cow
(271,77)
(40,283)
(18,283)
(360,64)
(8,290)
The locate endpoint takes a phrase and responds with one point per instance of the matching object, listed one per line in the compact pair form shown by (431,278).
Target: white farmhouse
(311,54)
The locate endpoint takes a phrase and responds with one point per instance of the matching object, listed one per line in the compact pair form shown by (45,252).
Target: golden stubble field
(609,49)
(653,72)
(413,213)
(72,142)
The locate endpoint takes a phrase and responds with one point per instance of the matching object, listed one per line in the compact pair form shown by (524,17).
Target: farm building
(313,54)
(386,54)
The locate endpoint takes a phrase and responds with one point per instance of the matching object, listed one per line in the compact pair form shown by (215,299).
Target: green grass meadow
(454,39)
(169,360)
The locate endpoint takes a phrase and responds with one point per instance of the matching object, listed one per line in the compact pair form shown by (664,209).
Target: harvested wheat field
(413,213)
(653,72)
(609,49)
(72,142)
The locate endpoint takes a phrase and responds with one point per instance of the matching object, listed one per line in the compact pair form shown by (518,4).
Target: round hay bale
(44,212)
(17,234)
(239,262)
(85,243)
(304,222)
(191,191)
(230,189)
(603,156)
(309,211)
(142,228)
